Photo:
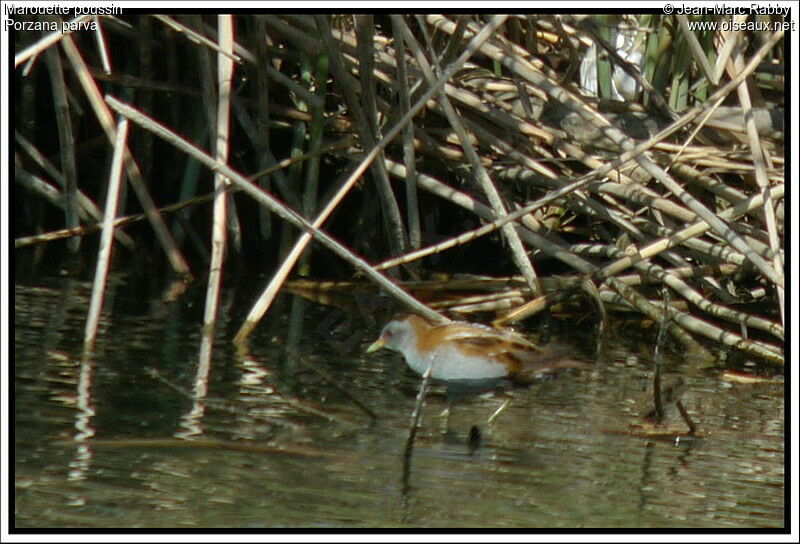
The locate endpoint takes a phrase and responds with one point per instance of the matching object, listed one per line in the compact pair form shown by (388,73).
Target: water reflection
(282,447)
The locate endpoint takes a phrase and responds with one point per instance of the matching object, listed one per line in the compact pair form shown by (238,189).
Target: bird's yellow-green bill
(376,345)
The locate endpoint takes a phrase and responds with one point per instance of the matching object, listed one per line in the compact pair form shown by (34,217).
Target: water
(280,442)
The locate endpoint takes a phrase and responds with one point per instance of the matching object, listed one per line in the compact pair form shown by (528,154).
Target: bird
(471,353)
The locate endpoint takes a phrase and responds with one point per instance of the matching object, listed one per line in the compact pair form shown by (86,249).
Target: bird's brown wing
(547,360)
(482,335)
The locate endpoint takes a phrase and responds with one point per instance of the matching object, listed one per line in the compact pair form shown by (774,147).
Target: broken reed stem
(106,239)
(103,47)
(94,227)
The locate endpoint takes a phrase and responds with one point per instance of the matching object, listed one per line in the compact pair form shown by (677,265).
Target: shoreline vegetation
(591,166)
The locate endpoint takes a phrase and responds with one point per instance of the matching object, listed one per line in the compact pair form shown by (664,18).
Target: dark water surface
(557,456)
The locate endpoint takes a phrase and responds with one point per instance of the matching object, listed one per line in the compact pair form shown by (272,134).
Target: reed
(375,134)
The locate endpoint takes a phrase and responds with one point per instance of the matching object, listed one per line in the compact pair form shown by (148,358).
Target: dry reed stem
(106,239)
(100,38)
(196,37)
(221,150)
(37,184)
(761,178)
(459,198)
(35,49)
(493,225)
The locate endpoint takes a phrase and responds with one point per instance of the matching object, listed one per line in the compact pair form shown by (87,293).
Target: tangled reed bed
(372,134)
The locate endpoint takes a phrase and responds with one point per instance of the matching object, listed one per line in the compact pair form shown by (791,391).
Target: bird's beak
(376,345)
